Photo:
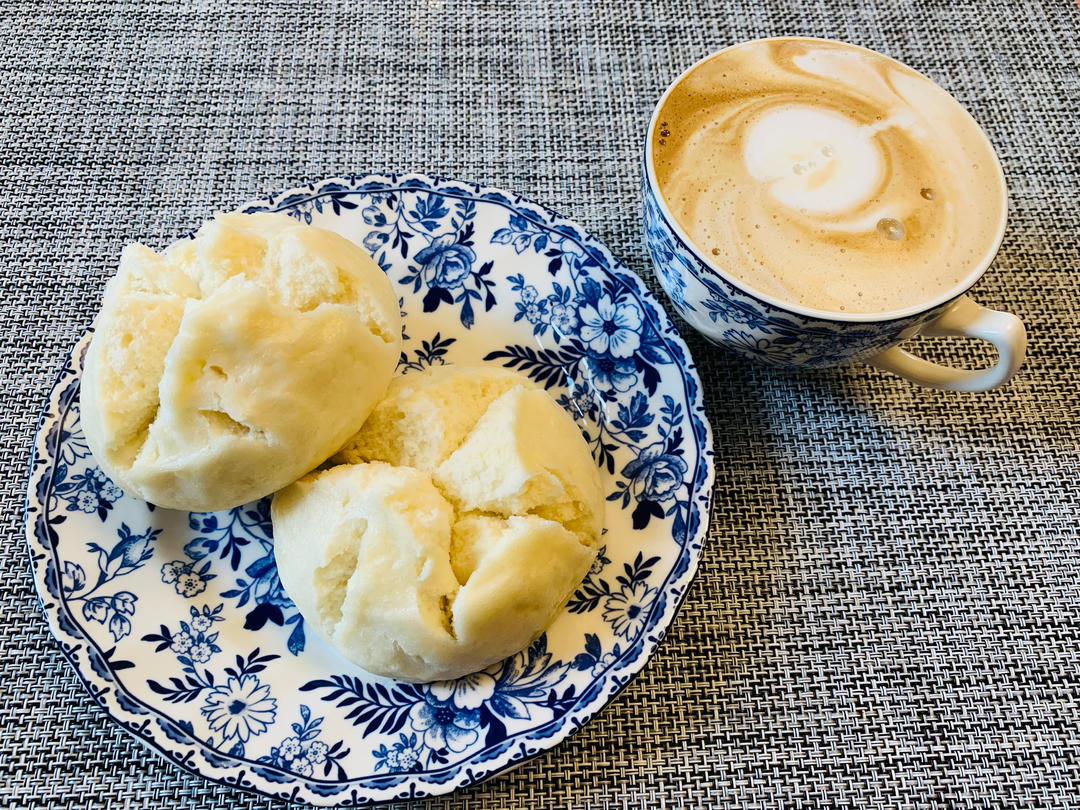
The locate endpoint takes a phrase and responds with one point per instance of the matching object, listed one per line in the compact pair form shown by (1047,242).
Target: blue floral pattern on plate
(219,675)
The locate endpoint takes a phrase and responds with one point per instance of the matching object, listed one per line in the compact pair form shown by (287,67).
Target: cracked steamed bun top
(229,365)
(459,521)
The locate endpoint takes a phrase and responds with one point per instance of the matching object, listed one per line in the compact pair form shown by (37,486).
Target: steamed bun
(231,364)
(466,511)
(425,417)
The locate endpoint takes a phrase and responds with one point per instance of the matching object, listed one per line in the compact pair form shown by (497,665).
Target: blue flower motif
(301,766)
(580,403)
(444,725)
(185,578)
(87,501)
(289,749)
(610,327)
(467,692)
(302,754)
(126,556)
(446,262)
(564,318)
(401,756)
(182,642)
(374,241)
(317,752)
(599,561)
(610,373)
(655,473)
(90,491)
(768,349)
(203,620)
(626,609)
(533,313)
(200,623)
(240,708)
(192,643)
(605,662)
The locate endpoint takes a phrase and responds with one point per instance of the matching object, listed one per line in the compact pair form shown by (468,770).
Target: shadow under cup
(731,314)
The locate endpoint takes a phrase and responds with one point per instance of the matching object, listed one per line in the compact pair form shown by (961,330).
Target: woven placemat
(888,609)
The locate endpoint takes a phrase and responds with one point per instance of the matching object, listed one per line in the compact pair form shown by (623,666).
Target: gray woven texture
(888,609)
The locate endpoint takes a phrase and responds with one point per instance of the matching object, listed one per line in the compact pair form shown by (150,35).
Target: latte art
(827,176)
(812,160)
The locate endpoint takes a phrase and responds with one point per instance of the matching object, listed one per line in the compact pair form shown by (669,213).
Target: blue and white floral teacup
(732,315)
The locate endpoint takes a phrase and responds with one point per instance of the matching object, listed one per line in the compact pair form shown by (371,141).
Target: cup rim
(978,268)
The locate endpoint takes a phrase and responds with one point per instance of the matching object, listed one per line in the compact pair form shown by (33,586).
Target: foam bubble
(892,229)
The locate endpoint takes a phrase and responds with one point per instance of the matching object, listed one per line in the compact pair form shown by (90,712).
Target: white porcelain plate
(177,622)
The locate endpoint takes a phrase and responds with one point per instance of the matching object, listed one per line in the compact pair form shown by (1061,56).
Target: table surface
(887,613)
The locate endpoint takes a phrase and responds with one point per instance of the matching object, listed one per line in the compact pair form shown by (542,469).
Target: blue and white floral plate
(178,625)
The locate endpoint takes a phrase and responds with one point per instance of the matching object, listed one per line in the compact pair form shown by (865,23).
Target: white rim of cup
(823,314)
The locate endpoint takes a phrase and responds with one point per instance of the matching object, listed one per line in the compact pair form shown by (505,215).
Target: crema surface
(827,176)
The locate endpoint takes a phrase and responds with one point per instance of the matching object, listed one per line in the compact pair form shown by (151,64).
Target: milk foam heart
(827,176)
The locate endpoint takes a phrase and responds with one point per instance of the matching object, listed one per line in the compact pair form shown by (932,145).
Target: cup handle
(964,318)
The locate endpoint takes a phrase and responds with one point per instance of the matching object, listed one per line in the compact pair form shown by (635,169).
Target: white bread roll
(231,364)
(438,568)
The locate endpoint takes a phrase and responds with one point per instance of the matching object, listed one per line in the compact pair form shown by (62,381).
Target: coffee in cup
(810,203)
(828,176)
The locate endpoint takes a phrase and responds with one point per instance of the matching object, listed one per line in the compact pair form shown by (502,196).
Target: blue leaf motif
(429,210)
(119,626)
(590,291)
(509,706)
(503,236)
(124,602)
(95,610)
(265,612)
(383,710)
(74,577)
(373,216)
(583,661)
(260,567)
(201,547)
(592,645)
(375,240)
(174,731)
(296,639)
